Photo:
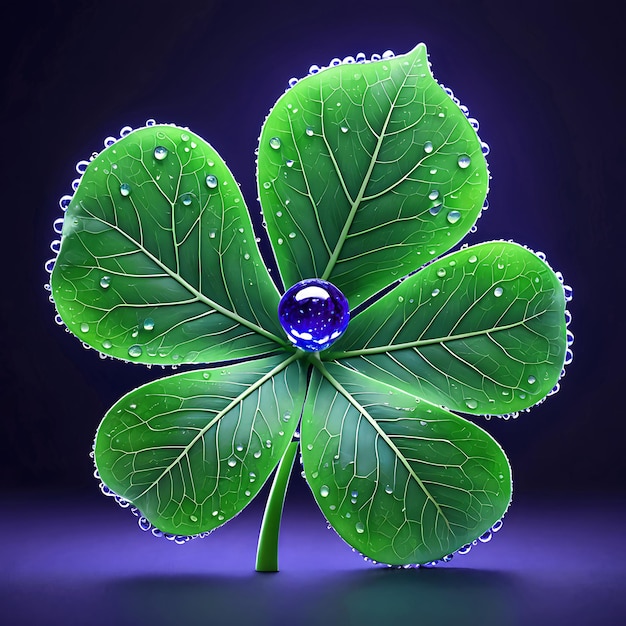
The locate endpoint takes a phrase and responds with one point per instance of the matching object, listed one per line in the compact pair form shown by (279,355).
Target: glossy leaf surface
(191,450)
(481,330)
(158,261)
(401,480)
(366,172)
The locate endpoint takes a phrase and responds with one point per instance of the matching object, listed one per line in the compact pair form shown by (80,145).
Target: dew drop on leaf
(497,292)
(428,147)
(160,153)
(211,181)
(324,491)
(463,161)
(453,217)
(433,195)
(125,189)
(275,143)
(135,351)
(105,281)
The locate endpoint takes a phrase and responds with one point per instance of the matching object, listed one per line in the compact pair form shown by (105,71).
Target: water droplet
(324,491)
(433,195)
(428,147)
(441,272)
(292,235)
(64,202)
(359,527)
(135,351)
(435,208)
(309,131)
(257,454)
(473,258)
(313,313)
(531,380)
(453,217)
(569,292)
(344,129)
(186,199)
(211,181)
(464,161)
(484,146)
(193,518)
(105,281)
(289,162)
(160,153)
(106,344)
(212,234)
(485,537)
(84,327)
(497,526)
(232,462)
(389,489)
(267,185)
(435,292)
(125,189)
(275,143)
(470,403)
(148,324)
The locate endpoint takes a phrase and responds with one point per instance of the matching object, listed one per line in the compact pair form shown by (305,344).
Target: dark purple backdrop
(545,82)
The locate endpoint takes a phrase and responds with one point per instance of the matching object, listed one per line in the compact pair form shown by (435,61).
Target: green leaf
(158,260)
(401,480)
(190,451)
(366,172)
(481,330)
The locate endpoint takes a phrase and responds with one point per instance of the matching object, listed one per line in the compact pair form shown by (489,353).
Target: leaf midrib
(181,281)
(361,194)
(232,404)
(384,436)
(419,343)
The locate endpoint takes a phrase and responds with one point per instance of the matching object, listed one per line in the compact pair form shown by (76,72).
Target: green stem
(267,547)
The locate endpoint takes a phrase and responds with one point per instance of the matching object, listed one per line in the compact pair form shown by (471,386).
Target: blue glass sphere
(314,314)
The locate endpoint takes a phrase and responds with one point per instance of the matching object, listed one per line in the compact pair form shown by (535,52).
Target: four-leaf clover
(358,351)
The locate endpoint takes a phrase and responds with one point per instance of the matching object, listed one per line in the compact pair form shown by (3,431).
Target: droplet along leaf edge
(318,228)
(213,204)
(414,469)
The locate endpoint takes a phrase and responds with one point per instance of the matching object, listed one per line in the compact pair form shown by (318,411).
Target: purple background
(545,81)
